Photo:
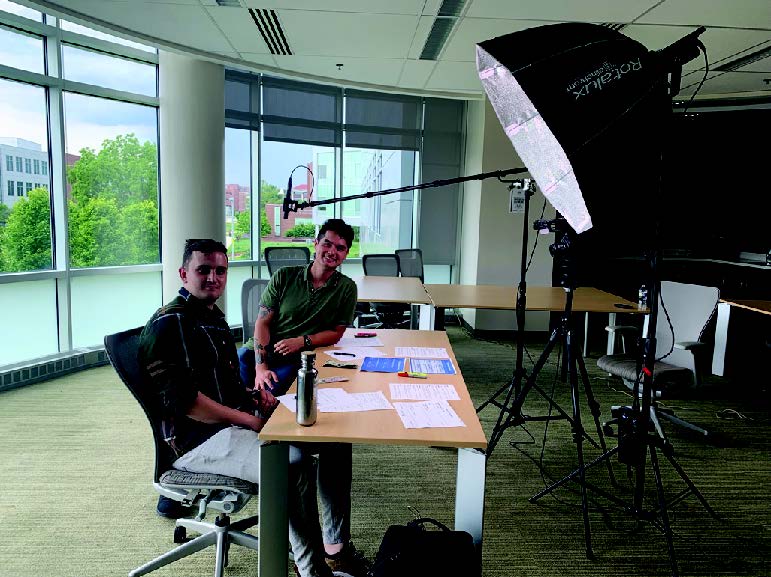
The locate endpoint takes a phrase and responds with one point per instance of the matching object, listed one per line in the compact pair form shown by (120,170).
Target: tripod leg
(578,438)
(510,416)
(676,466)
(594,408)
(663,510)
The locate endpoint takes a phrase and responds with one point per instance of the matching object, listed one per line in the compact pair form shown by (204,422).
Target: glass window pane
(72,27)
(236,278)
(20,10)
(112,170)
(278,161)
(105,304)
(118,73)
(29,326)
(238,198)
(385,222)
(25,240)
(22,51)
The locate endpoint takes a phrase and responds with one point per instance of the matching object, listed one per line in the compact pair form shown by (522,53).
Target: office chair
(278,257)
(227,495)
(251,292)
(690,308)
(411,264)
(388,315)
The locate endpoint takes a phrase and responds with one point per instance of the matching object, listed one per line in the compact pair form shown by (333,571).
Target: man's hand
(264,378)
(264,402)
(289,346)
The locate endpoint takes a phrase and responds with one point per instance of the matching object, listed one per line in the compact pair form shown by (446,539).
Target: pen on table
(344,354)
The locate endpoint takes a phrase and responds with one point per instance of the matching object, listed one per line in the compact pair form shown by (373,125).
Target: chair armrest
(690,345)
(622,329)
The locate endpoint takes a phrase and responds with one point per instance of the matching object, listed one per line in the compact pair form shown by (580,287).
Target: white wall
(491,237)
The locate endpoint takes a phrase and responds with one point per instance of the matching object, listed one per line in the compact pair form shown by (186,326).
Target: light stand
(511,408)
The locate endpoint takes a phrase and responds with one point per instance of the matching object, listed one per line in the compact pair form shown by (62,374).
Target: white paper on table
(326,396)
(335,400)
(361,342)
(428,414)
(354,402)
(423,392)
(354,353)
(422,352)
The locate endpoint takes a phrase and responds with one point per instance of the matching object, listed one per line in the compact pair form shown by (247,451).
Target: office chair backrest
(280,256)
(251,292)
(123,351)
(690,309)
(380,264)
(411,262)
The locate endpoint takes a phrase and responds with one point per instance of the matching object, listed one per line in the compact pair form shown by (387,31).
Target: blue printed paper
(432,366)
(383,364)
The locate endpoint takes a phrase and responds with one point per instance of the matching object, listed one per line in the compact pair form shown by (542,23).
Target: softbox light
(585,108)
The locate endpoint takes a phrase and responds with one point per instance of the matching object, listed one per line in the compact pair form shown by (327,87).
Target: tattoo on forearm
(263,312)
(259,351)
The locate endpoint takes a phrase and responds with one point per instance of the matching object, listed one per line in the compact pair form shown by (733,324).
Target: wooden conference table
(721,328)
(539,298)
(373,427)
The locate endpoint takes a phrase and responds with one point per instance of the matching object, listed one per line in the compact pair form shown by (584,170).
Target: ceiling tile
(259,59)
(337,34)
(455,76)
(561,10)
(462,45)
(383,72)
(179,23)
(735,13)
(238,26)
(419,38)
(415,73)
(728,83)
(413,7)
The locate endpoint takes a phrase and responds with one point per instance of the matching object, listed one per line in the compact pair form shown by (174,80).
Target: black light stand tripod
(511,408)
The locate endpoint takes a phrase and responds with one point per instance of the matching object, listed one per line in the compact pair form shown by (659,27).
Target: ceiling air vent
(229,3)
(745,60)
(446,18)
(613,26)
(271,30)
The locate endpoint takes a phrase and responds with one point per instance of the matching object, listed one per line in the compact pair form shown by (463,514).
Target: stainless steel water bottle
(306,390)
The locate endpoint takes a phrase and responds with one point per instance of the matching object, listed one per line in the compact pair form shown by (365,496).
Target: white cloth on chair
(233,451)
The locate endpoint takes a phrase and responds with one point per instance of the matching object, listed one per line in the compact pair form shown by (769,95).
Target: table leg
(611,334)
(721,339)
(470,494)
(273,550)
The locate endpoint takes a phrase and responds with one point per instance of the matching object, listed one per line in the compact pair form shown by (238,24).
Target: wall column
(491,238)
(192,136)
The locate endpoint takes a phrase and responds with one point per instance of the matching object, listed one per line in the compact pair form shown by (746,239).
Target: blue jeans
(330,476)
(286,373)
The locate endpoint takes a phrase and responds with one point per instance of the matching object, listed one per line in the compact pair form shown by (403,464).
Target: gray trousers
(235,452)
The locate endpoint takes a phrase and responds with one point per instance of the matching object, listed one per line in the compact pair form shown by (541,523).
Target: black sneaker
(171,509)
(349,561)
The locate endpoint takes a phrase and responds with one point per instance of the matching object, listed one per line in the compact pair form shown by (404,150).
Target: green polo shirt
(302,310)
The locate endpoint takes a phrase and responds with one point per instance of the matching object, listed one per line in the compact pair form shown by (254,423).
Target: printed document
(421,392)
(422,352)
(363,342)
(428,414)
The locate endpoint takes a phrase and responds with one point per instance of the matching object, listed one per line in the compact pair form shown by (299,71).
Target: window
(29,187)
(28,166)
(10,188)
(36,163)
(113,200)
(94,67)
(9,163)
(14,8)
(44,166)
(72,27)
(21,50)
(19,164)
(240,145)
(19,188)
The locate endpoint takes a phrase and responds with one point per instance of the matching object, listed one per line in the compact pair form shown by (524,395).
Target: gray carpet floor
(76,496)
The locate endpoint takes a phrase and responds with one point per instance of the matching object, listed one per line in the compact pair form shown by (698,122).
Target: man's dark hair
(339,227)
(204,245)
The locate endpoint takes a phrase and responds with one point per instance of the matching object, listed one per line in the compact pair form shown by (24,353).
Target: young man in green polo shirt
(304,307)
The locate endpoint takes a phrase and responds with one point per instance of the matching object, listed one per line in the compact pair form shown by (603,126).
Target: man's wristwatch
(307,341)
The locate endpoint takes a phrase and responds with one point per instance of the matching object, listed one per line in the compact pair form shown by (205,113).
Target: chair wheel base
(180,535)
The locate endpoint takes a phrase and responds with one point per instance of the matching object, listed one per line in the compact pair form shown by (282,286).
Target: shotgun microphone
(288,198)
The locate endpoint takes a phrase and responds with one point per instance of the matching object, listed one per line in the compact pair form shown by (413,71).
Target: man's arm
(208,410)
(264,378)
(320,339)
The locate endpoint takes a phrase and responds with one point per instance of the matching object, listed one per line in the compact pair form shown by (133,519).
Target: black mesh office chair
(411,264)
(280,256)
(226,495)
(388,315)
(251,292)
